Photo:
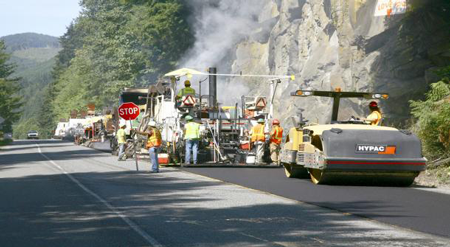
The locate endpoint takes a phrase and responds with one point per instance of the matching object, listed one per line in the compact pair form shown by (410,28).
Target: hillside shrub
(433,115)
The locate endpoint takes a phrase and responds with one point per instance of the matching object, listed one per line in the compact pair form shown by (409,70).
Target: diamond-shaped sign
(189,100)
(261,103)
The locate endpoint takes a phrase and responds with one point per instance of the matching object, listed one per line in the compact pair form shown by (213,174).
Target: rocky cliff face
(340,43)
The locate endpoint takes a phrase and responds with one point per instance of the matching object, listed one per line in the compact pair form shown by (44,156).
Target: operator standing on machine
(187,90)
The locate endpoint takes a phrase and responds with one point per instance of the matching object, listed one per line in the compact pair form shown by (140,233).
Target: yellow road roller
(351,151)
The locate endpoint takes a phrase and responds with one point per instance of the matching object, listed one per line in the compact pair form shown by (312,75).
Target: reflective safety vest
(375,118)
(192,131)
(155,139)
(277,135)
(186,91)
(258,133)
(121,136)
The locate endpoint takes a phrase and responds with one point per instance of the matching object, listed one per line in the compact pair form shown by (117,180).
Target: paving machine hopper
(351,152)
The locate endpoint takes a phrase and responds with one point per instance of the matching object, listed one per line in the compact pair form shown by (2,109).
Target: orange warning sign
(189,100)
(261,103)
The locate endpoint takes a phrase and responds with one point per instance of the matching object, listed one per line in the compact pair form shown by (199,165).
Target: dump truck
(350,151)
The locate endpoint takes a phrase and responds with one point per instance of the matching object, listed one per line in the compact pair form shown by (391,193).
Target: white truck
(61,130)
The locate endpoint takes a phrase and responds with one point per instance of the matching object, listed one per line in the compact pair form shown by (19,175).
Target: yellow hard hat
(187,83)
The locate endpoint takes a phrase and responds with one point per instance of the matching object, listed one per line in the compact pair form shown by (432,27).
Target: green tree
(433,113)
(9,101)
(433,116)
(117,44)
(46,121)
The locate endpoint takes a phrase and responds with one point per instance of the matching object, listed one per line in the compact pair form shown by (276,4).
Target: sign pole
(135,148)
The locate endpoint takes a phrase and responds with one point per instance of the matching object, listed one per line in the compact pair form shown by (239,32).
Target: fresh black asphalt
(410,207)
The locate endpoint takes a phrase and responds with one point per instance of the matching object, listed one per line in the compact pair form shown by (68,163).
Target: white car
(32,134)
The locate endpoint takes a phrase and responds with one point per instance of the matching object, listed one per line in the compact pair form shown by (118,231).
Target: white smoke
(219,25)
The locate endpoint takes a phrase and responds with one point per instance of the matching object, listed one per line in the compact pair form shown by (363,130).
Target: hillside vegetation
(25,41)
(32,56)
(113,45)
(9,101)
(432,114)
(37,55)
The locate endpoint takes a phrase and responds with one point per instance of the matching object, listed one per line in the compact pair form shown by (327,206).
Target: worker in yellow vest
(375,116)
(187,90)
(192,138)
(153,145)
(258,140)
(276,136)
(121,137)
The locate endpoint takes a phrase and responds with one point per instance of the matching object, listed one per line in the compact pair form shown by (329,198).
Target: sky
(49,17)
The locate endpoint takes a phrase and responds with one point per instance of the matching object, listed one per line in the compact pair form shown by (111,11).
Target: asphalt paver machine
(221,128)
(224,129)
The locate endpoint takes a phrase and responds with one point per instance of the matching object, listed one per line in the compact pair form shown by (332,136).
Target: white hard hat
(152,123)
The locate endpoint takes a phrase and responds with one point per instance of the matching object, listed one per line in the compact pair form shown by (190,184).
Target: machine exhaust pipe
(212,88)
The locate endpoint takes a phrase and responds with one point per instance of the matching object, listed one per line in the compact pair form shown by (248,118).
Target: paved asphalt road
(412,207)
(56,194)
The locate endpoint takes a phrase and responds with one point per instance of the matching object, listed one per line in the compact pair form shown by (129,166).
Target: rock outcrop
(340,43)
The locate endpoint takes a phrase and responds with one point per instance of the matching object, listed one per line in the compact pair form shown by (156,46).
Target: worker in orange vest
(276,136)
(153,145)
(258,140)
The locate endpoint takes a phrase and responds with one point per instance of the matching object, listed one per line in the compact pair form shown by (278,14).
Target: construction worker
(121,140)
(276,135)
(375,116)
(187,90)
(192,138)
(258,140)
(154,142)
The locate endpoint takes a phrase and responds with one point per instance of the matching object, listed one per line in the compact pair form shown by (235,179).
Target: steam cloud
(219,25)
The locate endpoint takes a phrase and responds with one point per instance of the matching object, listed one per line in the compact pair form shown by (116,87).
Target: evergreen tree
(46,121)
(9,101)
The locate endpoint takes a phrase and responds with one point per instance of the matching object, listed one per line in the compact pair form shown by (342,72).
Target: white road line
(136,228)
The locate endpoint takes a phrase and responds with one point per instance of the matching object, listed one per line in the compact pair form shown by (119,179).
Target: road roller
(352,151)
